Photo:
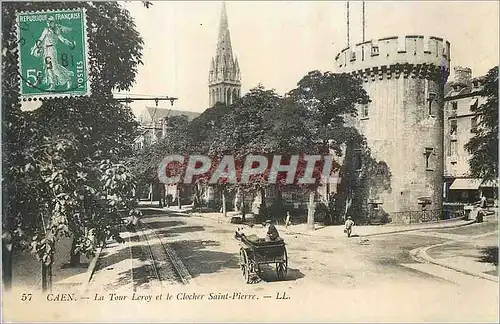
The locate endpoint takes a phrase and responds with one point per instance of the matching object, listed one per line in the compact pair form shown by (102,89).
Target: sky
(278,42)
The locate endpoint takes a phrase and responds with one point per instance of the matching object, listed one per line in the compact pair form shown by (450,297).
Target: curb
(91,269)
(469,222)
(423,254)
(392,232)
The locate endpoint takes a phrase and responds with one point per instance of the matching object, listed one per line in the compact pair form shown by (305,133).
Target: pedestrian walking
(287,220)
(349,223)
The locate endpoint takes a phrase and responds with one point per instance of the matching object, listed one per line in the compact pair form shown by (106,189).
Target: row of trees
(63,171)
(312,119)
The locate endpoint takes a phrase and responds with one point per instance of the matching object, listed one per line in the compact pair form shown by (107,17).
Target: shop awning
(489,184)
(466,184)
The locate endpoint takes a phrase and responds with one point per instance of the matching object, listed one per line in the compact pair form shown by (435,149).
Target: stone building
(404,77)
(224,78)
(153,123)
(460,123)
(153,126)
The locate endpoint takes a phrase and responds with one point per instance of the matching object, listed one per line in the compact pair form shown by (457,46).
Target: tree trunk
(224,211)
(46,276)
(311,208)
(179,197)
(7,265)
(263,207)
(237,198)
(243,216)
(279,203)
(74,258)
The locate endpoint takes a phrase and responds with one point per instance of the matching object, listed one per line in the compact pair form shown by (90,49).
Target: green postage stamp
(53,54)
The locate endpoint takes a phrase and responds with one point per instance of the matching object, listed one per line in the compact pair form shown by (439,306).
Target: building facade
(153,123)
(404,77)
(460,123)
(224,78)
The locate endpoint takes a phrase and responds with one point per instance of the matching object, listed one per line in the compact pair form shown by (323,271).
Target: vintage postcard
(249,161)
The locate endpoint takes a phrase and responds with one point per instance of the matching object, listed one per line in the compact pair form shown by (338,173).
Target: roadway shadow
(199,257)
(268,274)
(489,255)
(176,231)
(162,224)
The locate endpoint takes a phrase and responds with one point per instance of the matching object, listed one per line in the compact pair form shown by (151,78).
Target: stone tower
(404,77)
(224,80)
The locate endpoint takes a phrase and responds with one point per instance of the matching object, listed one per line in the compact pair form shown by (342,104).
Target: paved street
(335,279)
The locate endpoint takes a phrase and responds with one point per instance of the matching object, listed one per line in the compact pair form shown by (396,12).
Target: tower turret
(224,82)
(403,124)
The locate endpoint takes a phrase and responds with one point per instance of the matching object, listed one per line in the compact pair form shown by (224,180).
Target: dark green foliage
(483,146)
(62,162)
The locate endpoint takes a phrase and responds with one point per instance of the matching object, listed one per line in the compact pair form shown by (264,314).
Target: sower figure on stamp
(45,47)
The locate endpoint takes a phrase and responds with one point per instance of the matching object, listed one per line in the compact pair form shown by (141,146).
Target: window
(353,56)
(473,124)
(432,103)
(453,166)
(453,148)
(375,50)
(375,205)
(473,104)
(453,127)
(454,109)
(429,158)
(364,111)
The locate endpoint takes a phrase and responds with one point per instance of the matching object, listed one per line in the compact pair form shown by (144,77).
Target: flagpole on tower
(364,27)
(348,41)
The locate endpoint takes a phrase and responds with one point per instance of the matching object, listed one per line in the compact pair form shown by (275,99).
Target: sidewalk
(476,256)
(335,230)
(372,230)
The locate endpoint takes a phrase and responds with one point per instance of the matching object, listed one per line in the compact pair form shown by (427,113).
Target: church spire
(224,48)
(224,73)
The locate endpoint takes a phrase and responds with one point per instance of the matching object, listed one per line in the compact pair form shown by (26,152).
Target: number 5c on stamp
(53,58)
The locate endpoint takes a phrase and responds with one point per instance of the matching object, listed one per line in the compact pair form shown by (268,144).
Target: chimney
(463,75)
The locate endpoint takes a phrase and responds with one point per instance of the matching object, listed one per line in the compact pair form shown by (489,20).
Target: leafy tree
(61,169)
(332,100)
(483,146)
(144,162)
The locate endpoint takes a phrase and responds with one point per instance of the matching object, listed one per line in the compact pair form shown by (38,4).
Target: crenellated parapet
(395,57)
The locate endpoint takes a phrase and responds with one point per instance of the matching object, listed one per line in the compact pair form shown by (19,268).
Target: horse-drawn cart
(255,252)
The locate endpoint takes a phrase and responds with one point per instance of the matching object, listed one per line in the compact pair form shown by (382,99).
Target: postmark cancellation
(53,54)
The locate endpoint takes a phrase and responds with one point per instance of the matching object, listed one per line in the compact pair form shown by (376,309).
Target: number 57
(26,297)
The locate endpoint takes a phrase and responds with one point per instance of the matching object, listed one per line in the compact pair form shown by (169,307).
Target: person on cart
(271,233)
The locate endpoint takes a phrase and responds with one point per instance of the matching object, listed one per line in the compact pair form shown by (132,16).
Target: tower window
(429,159)
(432,102)
(375,50)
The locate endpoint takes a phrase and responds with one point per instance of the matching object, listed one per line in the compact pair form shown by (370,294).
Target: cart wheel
(282,267)
(245,267)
